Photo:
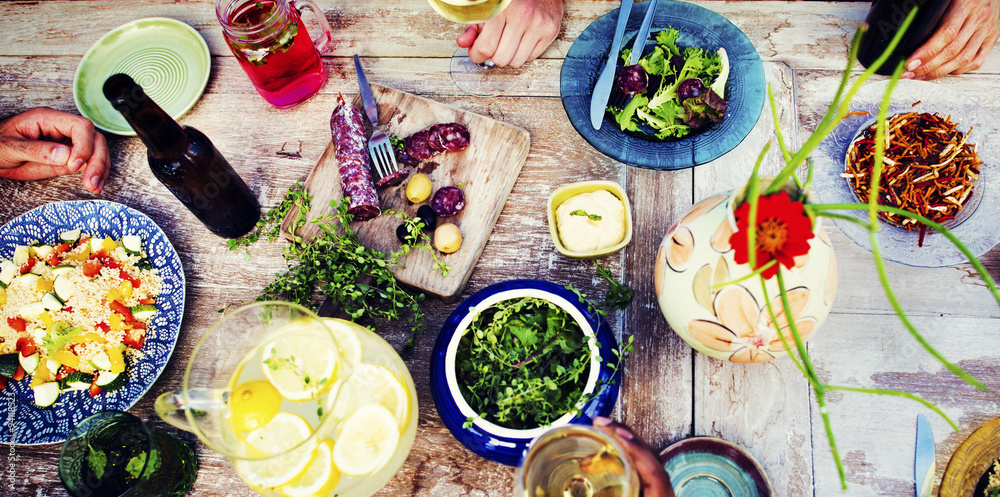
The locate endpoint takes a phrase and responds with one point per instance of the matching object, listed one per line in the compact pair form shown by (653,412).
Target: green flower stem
(839,106)
(823,210)
(897,393)
(785,154)
(756,272)
(753,193)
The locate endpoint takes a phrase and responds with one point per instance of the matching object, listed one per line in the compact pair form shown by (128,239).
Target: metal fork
(383,157)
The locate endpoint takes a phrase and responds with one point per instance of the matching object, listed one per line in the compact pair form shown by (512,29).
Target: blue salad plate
(27,424)
(746,88)
(506,445)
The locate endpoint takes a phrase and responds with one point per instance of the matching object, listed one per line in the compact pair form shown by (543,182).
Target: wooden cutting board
(486,172)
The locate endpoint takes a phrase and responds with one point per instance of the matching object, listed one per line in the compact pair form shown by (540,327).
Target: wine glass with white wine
(484,79)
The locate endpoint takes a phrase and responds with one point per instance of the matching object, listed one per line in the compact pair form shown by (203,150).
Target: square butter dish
(565,192)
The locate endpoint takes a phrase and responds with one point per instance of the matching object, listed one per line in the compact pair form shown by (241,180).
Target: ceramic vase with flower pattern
(699,292)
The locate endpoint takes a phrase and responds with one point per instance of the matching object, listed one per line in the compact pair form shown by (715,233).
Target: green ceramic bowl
(565,192)
(168,58)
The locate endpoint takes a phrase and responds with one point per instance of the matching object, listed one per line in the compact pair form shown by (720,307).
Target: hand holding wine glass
(518,34)
(653,477)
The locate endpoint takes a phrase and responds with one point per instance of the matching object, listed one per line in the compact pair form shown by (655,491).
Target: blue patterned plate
(496,443)
(699,27)
(24,423)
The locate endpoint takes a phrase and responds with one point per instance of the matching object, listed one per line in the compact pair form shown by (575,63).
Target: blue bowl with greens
(520,357)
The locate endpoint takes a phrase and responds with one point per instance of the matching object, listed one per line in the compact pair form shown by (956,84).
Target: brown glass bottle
(186,162)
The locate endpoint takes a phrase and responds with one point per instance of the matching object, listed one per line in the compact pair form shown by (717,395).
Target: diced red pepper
(94,389)
(139,325)
(53,259)
(81,241)
(19,324)
(120,308)
(26,346)
(62,248)
(128,277)
(68,308)
(28,266)
(134,338)
(3,382)
(146,301)
(18,373)
(103,326)
(109,261)
(91,267)
(64,371)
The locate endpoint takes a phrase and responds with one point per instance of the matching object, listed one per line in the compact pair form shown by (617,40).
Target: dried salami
(349,137)
(426,143)
(448,201)
(418,147)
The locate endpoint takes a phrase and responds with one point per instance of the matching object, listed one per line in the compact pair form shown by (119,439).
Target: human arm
(518,34)
(43,142)
(966,34)
(654,479)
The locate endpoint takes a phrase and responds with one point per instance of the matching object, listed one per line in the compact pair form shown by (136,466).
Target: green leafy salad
(523,363)
(674,91)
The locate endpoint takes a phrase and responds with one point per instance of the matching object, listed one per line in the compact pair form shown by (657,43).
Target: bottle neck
(161,134)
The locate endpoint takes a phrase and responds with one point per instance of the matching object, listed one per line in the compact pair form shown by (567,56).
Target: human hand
(654,479)
(966,34)
(518,34)
(43,142)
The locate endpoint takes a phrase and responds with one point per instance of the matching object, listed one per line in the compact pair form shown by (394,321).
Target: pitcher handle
(323,41)
(171,406)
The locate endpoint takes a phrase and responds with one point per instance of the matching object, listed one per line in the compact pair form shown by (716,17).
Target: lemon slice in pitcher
(254,404)
(320,478)
(371,384)
(284,432)
(299,366)
(367,440)
(346,337)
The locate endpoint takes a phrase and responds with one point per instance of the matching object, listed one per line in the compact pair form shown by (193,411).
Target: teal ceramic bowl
(713,467)
(168,58)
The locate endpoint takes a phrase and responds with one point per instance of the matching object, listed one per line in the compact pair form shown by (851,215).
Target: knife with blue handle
(923,466)
(602,89)
(640,38)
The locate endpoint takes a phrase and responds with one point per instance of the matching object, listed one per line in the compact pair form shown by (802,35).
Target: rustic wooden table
(669,392)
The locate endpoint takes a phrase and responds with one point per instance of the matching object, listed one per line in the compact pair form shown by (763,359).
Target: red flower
(783,232)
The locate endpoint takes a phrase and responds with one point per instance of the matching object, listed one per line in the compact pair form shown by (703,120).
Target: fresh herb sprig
(523,363)
(269,225)
(415,234)
(581,212)
(356,279)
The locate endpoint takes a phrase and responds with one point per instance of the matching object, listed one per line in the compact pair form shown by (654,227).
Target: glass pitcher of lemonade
(301,405)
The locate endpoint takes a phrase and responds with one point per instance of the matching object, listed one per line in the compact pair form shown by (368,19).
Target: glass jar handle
(324,41)
(171,407)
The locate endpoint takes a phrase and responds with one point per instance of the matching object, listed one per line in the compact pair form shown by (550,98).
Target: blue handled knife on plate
(923,466)
(602,89)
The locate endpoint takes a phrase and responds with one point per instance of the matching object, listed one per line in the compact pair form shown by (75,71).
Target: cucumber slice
(8,364)
(30,363)
(52,366)
(143,312)
(101,361)
(51,302)
(109,382)
(77,380)
(46,394)
(132,244)
(28,280)
(70,236)
(95,244)
(62,270)
(32,310)
(8,270)
(20,255)
(43,251)
(63,287)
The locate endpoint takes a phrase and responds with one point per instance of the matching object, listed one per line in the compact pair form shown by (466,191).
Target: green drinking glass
(114,453)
